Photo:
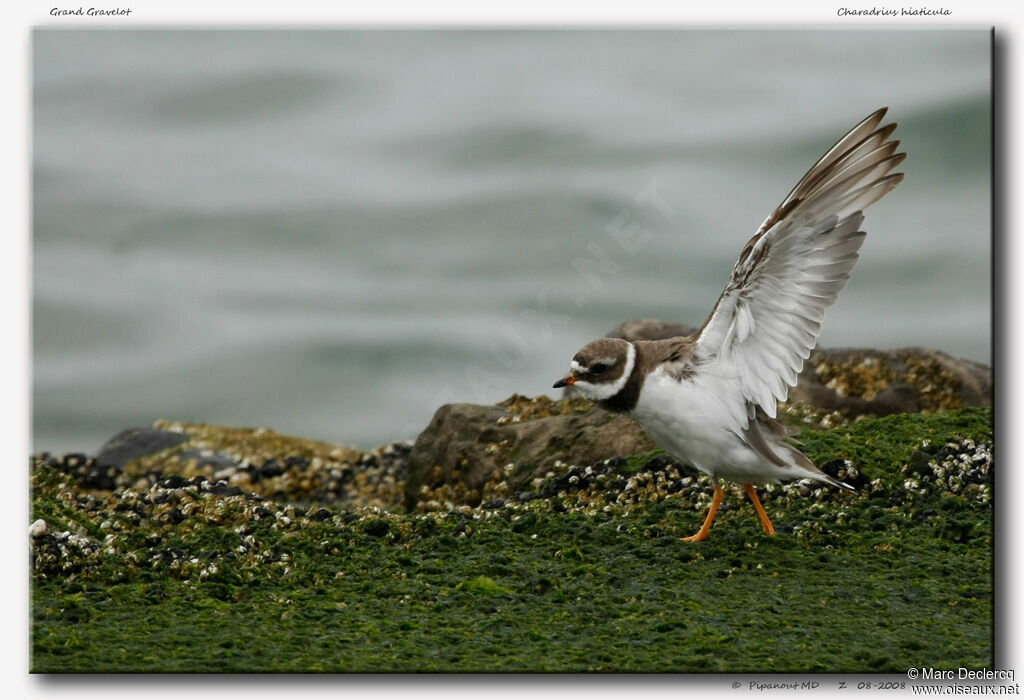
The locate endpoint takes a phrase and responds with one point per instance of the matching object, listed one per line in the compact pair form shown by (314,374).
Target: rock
(864,382)
(377,527)
(134,443)
(650,329)
(465,445)
(248,460)
(270,469)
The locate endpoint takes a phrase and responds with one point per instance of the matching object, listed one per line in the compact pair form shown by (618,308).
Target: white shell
(37,528)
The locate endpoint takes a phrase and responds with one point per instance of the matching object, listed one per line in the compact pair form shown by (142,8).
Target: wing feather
(767,320)
(853,138)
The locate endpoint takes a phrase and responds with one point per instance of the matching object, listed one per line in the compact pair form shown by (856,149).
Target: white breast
(699,422)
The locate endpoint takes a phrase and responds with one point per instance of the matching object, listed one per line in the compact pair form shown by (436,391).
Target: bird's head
(601,369)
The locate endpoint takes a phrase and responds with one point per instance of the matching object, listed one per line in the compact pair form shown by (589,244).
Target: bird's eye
(598,369)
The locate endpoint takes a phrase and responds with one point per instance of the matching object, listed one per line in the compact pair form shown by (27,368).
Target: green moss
(482,584)
(636,463)
(879,581)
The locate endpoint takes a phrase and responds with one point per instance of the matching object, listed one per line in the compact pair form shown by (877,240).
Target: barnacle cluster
(963,468)
(441,495)
(813,416)
(154,527)
(956,477)
(524,408)
(260,461)
(864,379)
(613,485)
(938,388)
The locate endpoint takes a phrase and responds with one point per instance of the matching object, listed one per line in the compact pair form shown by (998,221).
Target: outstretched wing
(768,319)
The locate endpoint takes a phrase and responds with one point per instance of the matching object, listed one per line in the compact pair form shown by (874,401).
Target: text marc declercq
(960,674)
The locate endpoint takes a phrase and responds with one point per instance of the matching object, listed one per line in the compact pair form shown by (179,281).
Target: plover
(709,399)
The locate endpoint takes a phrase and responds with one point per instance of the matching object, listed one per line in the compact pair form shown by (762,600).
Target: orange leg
(716,501)
(765,522)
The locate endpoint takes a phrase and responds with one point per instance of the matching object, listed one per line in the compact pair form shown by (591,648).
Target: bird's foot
(699,537)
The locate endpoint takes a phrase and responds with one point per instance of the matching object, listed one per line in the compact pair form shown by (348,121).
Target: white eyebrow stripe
(576,366)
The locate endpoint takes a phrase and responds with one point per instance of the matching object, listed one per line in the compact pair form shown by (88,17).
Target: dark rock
(221,488)
(270,468)
(175,481)
(99,479)
(136,442)
(851,475)
(73,460)
(376,528)
(919,463)
(296,461)
(616,463)
(658,463)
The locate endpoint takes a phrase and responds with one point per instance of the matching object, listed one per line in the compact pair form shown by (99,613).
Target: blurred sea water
(330,233)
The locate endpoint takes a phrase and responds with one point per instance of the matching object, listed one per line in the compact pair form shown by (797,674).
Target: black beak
(565,381)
